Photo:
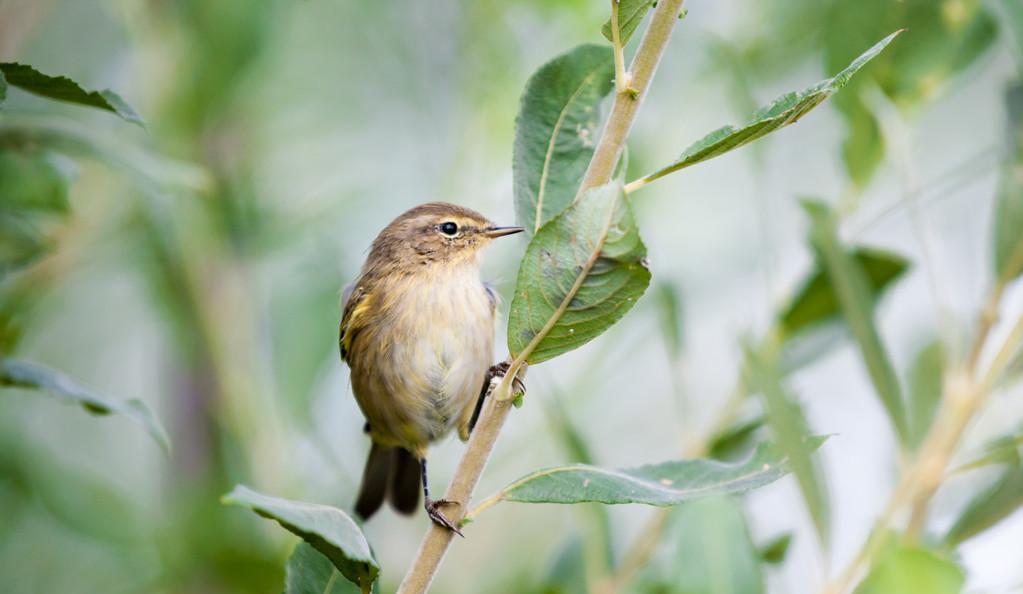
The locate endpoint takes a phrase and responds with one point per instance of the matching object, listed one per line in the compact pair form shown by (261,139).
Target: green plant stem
(963,396)
(623,114)
(621,75)
(627,102)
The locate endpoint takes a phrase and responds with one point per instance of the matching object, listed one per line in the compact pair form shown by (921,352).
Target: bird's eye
(449,229)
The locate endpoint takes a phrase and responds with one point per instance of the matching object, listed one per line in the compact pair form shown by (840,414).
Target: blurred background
(200,265)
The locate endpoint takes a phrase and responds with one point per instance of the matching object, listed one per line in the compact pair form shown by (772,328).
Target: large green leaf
(665,484)
(852,287)
(925,389)
(792,435)
(309,572)
(556,131)
(993,503)
(785,110)
(630,15)
(1008,214)
(16,373)
(816,302)
(912,571)
(581,273)
(328,529)
(62,88)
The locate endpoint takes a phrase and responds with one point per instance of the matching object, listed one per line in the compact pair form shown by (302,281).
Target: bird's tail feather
(374,481)
(405,482)
(391,473)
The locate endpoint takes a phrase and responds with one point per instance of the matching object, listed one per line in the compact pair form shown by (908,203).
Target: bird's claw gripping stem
(499,370)
(433,510)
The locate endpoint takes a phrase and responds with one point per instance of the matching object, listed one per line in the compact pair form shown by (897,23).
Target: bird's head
(436,233)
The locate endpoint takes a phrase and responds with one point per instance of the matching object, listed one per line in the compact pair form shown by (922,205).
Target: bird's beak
(501,231)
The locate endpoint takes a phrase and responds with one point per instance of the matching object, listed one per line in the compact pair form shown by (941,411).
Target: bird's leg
(433,507)
(496,371)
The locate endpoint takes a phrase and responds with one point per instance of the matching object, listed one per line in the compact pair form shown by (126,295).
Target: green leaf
(1008,214)
(993,503)
(21,243)
(309,572)
(571,439)
(925,389)
(943,39)
(567,574)
(16,373)
(556,131)
(665,484)
(669,309)
(32,181)
(912,571)
(707,550)
(775,550)
(580,274)
(736,440)
(785,110)
(62,88)
(3,88)
(1003,450)
(791,433)
(852,287)
(328,529)
(630,15)
(816,302)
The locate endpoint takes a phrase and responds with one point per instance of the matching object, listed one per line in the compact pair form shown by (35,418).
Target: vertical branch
(626,104)
(623,114)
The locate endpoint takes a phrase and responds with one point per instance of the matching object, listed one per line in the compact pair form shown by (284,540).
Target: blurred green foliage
(264,151)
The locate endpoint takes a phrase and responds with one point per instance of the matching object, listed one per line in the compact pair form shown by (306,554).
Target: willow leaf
(581,273)
(556,131)
(1008,215)
(327,529)
(993,503)
(853,291)
(816,302)
(791,432)
(309,572)
(17,373)
(905,570)
(62,88)
(785,110)
(630,15)
(665,484)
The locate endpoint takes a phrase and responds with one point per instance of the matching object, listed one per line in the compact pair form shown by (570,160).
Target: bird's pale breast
(418,369)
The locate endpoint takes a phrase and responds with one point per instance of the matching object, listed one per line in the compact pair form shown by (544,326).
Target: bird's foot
(499,370)
(433,510)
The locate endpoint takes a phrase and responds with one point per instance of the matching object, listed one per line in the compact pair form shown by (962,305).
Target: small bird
(417,332)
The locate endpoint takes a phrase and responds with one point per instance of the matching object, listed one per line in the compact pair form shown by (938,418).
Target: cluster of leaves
(948,37)
(583,270)
(34,186)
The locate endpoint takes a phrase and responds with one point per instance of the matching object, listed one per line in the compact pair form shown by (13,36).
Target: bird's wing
(354,304)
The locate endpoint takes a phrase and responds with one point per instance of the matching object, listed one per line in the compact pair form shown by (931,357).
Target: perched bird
(417,331)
